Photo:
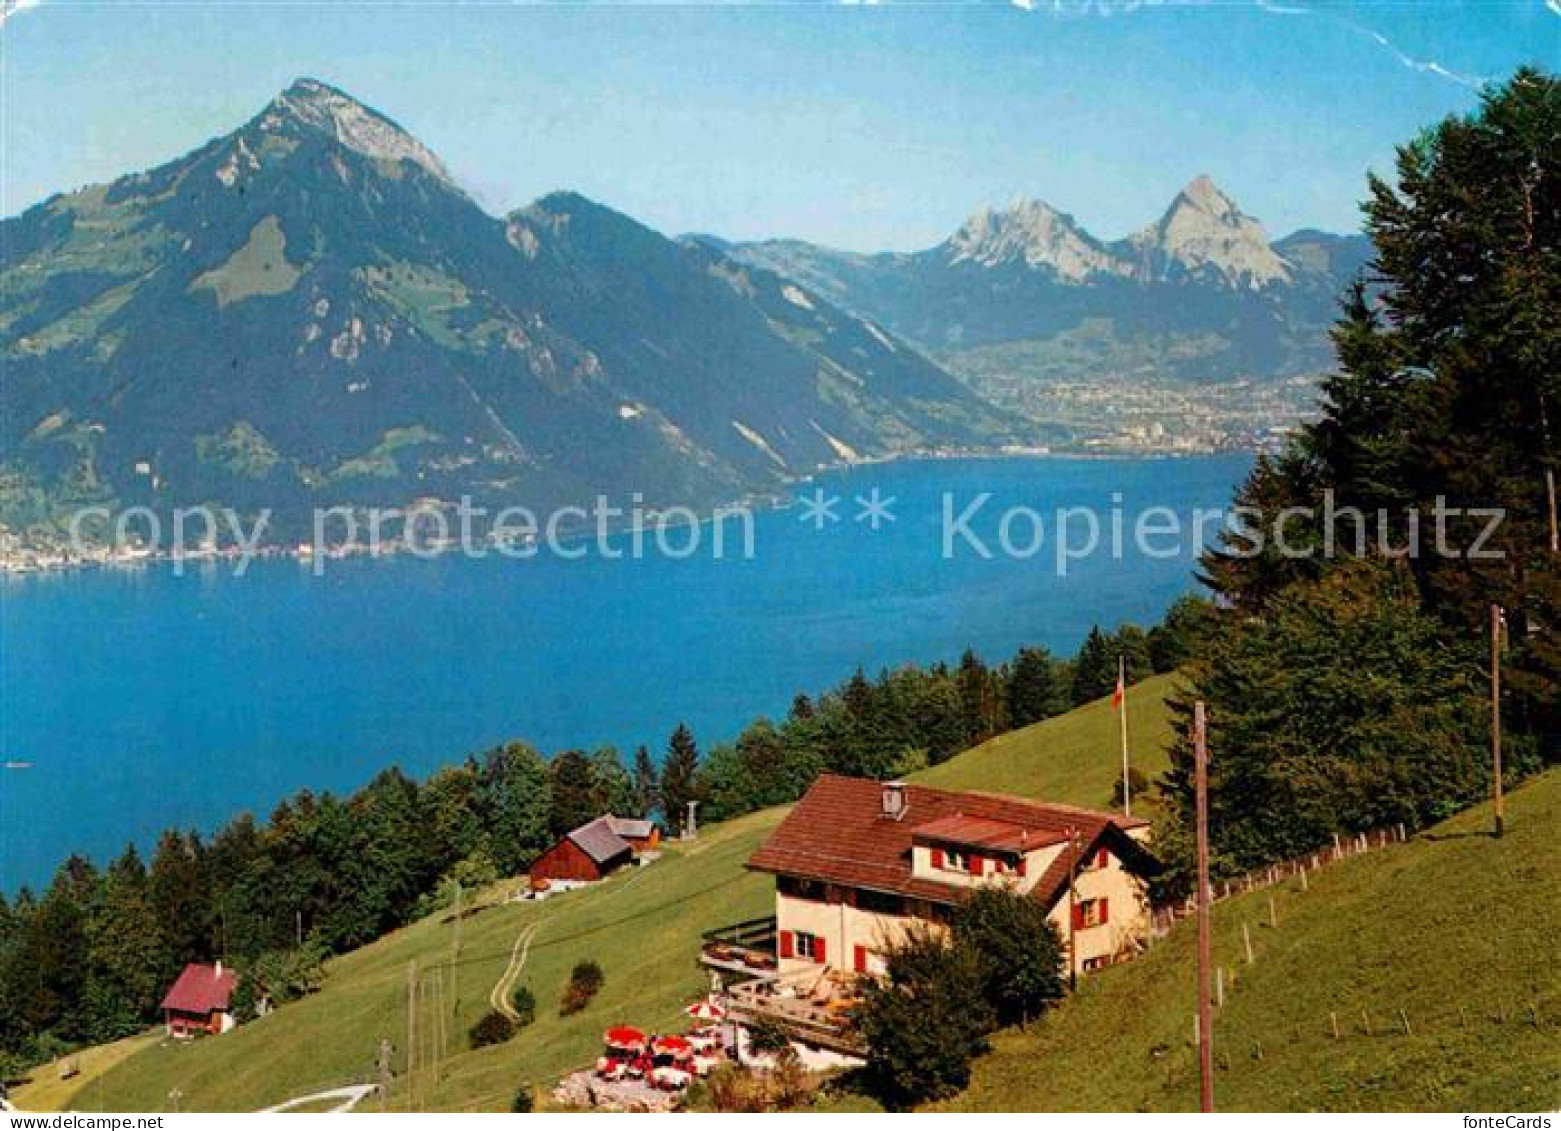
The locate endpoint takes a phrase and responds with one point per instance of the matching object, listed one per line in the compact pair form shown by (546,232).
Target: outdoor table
(672,1079)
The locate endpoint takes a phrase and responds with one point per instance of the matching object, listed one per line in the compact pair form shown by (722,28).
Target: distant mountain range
(1026,293)
(309,311)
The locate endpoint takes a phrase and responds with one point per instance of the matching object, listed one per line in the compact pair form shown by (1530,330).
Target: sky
(864,126)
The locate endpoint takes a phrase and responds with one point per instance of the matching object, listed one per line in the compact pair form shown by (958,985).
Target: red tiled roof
(979,832)
(837,834)
(201,989)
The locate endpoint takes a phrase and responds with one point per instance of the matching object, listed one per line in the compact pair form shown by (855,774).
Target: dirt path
(349,1096)
(499,996)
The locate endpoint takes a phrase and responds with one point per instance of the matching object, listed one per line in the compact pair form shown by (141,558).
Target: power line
(586,932)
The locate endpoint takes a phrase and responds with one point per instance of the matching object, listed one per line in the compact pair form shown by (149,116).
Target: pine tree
(1095,668)
(678,776)
(124,952)
(1032,690)
(646,787)
(576,800)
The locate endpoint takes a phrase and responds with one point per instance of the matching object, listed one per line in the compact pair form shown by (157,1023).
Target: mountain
(1025,294)
(309,311)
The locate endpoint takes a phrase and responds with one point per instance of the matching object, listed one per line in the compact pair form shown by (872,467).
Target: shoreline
(131,559)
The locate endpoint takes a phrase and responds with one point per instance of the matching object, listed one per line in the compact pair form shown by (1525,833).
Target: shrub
(585,982)
(733,1088)
(524,1100)
(1016,950)
(493,1029)
(524,1003)
(767,1037)
(925,1022)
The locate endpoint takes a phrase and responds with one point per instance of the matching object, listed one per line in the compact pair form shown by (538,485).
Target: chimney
(219,967)
(893,800)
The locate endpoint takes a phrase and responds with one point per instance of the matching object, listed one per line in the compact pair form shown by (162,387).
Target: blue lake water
(145,699)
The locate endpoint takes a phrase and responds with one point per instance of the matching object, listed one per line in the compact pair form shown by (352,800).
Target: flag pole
(1127,787)
(1205,958)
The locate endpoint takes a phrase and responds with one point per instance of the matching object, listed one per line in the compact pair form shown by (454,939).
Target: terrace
(814,1008)
(746,948)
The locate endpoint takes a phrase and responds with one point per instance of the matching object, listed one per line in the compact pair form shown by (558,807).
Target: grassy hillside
(642,927)
(1451,921)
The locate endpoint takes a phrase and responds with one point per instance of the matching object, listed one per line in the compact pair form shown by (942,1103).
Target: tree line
(1350,690)
(88,959)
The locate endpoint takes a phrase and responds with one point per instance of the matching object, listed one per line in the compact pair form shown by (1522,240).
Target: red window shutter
(1078,916)
(937,857)
(1022,866)
(975,864)
(818,950)
(1104,909)
(861,959)
(787,945)
(1103,858)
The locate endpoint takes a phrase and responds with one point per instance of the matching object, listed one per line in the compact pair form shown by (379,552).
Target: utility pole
(1496,716)
(455,965)
(1127,788)
(1205,957)
(1073,908)
(412,1035)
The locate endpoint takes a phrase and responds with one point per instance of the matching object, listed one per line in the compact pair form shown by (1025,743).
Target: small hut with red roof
(200,1001)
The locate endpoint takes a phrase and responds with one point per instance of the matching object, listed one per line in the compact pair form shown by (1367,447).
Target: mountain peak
(1202,193)
(1035,233)
(1204,230)
(311,105)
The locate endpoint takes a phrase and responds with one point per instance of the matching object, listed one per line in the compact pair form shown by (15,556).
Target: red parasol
(624,1037)
(672,1045)
(706,1011)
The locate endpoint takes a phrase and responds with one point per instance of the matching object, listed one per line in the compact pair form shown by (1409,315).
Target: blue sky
(865,127)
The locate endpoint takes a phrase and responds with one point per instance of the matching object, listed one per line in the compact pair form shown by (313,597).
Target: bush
(925,1022)
(733,1088)
(585,982)
(524,1100)
(766,1037)
(1015,948)
(493,1029)
(524,1003)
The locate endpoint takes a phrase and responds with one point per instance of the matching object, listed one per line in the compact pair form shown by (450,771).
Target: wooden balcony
(742,948)
(816,1019)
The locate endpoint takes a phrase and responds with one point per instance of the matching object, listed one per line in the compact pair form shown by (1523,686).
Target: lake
(145,699)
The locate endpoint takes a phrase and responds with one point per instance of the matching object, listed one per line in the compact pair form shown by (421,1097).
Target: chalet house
(857,862)
(596,849)
(199,1002)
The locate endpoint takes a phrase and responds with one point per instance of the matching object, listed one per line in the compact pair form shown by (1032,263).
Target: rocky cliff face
(1201,293)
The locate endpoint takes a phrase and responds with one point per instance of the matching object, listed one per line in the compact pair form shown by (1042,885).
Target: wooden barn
(199,1001)
(596,849)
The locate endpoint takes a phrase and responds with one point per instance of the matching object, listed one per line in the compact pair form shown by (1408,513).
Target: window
(809,946)
(951,859)
(1096,963)
(1089,913)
